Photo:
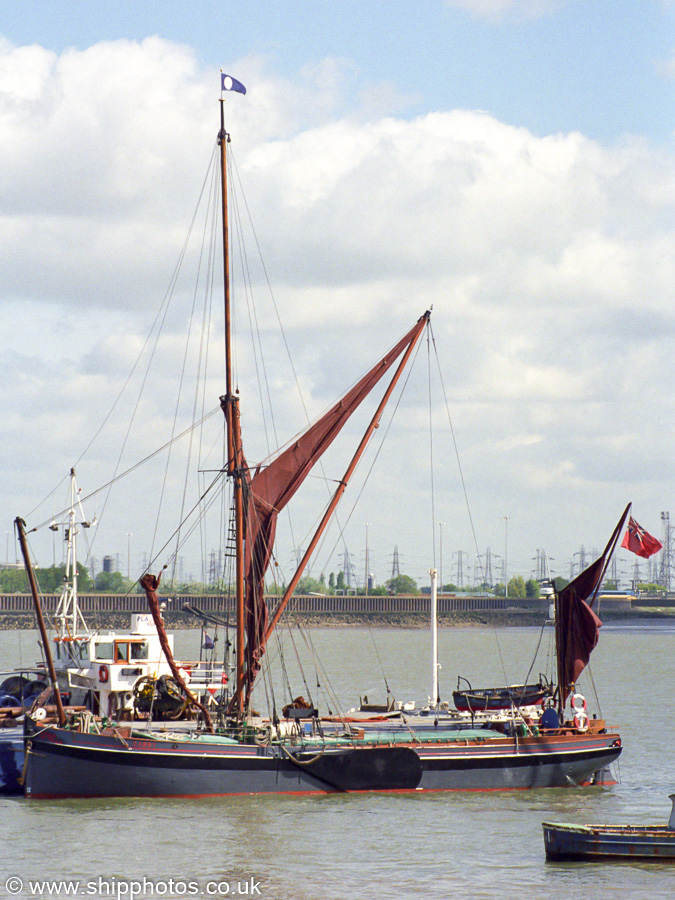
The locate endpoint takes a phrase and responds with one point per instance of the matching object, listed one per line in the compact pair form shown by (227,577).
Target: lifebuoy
(581,721)
(103,674)
(582,700)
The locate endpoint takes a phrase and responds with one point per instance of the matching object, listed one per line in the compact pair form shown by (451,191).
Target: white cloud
(500,9)
(548,262)
(667,67)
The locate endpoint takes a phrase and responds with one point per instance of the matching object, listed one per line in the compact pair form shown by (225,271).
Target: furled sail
(577,625)
(150,584)
(271,488)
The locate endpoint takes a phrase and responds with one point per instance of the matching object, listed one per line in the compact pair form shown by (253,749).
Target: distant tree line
(51,580)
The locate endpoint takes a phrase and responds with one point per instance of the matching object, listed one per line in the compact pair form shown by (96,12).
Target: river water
(395,846)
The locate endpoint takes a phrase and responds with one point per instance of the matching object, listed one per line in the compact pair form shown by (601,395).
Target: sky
(508,162)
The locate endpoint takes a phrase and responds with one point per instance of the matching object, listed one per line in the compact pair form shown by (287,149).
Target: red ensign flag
(639,541)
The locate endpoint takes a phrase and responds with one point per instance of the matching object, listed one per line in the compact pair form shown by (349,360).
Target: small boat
(605,843)
(468,699)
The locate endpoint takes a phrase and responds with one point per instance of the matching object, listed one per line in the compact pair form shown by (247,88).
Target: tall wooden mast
(23,543)
(230,405)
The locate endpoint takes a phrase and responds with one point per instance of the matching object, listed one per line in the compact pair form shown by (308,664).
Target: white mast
(433,700)
(69,618)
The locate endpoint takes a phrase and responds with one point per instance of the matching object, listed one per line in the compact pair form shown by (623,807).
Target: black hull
(65,764)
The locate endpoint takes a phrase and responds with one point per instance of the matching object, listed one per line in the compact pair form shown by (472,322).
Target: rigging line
(181,543)
(109,484)
(181,381)
(289,356)
(262,378)
(325,682)
(595,692)
(310,647)
(268,681)
(300,666)
(454,442)
(203,351)
(372,637)
(385,434)
(341,528)
(339,709)
(431,458)
(189,514)
(268,460)
(268,673)
(237,178)
(208,298)
(259,356)
(534,659)
(160,317)
(234,307)
(254,329)
(282,662)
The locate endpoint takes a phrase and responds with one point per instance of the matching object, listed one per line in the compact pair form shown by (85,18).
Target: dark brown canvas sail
(577,625)
(271,488)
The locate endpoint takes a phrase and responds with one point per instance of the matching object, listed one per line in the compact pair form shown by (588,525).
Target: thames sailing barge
(240,752)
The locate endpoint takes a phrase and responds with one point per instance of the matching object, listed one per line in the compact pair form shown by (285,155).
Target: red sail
(577,625)
(272,487)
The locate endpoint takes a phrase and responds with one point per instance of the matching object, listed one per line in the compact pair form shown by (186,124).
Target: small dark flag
(208,642)
(639,541)
(228,83)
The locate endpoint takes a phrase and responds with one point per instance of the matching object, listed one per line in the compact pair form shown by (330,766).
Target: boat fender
(579,703)
(581,721)
(103,674)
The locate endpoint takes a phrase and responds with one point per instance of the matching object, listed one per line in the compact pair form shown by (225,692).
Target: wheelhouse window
(104,650)
(139,650)
(121,651)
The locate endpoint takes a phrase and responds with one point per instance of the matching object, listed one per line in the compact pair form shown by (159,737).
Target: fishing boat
(609,843)
(119,673)
(234,749)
